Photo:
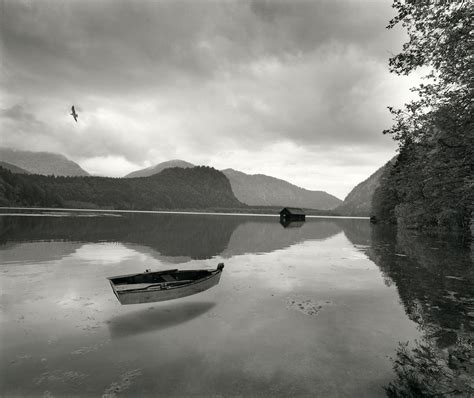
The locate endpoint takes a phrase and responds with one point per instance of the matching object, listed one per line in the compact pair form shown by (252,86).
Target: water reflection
(291,224)
(193,236)
(167,235)
(434,278)
(357,231)
(266,236)
(156,318)
(435,281)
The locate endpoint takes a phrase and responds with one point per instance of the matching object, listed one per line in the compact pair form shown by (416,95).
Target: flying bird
(74,114)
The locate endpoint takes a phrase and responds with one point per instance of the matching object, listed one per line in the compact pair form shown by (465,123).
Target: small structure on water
(289,214)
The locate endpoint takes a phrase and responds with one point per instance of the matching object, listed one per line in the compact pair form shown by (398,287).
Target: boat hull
(159,293)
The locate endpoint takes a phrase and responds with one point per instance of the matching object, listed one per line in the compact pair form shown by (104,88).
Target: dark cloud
(17,113)
(130,45)
(21,118)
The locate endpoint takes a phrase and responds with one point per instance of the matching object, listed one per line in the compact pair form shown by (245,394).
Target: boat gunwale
(141,273)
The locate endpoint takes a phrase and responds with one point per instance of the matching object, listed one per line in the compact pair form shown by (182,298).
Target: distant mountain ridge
(258,189)
(263,190)
(13,168)
(149,171)
(359,201)
(44,163)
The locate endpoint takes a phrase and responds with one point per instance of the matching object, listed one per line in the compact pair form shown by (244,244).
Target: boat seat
(134,286)
(168,278)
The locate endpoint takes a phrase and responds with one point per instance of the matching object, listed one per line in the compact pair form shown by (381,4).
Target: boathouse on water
(292,214)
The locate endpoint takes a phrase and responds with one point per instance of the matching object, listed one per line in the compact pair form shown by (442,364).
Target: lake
(313,309)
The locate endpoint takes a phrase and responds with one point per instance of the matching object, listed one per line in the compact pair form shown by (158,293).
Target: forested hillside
(174,188)
(359,201)
(431,185)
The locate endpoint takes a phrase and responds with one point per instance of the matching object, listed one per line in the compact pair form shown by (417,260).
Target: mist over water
(315,309)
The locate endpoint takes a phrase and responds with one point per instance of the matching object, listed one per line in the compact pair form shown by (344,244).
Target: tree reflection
(434,278)
(435,281)
(427,371)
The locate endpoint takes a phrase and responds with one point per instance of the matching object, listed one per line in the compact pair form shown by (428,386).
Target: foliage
(19,190)
(384,198)
(432,181)
(425,371)
(439,39)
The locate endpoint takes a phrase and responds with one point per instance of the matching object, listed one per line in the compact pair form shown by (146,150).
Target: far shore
(209,213)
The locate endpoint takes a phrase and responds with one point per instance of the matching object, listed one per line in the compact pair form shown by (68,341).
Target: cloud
(20,128)
(126,46)
(194,79)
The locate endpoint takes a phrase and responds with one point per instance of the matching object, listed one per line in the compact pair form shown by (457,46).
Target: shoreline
(58,209)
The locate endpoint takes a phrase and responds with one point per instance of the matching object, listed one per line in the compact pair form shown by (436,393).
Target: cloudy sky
(294,89)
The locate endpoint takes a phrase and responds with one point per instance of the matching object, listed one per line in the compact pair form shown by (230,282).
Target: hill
(13,168)
(44,163)
(149,171)
(262,190)
(359,201)
(174,188)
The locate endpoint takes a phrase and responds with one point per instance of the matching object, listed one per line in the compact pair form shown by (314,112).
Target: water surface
(310,310)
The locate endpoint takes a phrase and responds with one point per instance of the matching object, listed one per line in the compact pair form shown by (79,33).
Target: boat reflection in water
(147,319)
(150,287)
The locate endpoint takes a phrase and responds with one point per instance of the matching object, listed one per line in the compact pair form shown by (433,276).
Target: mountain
(13,168)
(359,201)
(149,171)
(258,190)
(45,163)
(173,188)
(262,190)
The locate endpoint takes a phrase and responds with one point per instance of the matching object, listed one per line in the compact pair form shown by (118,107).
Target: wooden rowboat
(149,287)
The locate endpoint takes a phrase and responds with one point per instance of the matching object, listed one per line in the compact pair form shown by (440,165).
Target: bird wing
(73,110)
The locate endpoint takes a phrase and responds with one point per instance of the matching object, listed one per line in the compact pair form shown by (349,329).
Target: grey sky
(293,89)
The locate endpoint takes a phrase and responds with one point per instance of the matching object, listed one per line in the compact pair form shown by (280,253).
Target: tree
(434,179)
(439,39)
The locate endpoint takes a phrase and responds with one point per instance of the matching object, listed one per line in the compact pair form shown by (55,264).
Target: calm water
(311,310)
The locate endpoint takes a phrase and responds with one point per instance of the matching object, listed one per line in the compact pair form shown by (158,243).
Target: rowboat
(150,287)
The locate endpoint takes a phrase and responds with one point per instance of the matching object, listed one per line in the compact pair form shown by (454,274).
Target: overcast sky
(293,89)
